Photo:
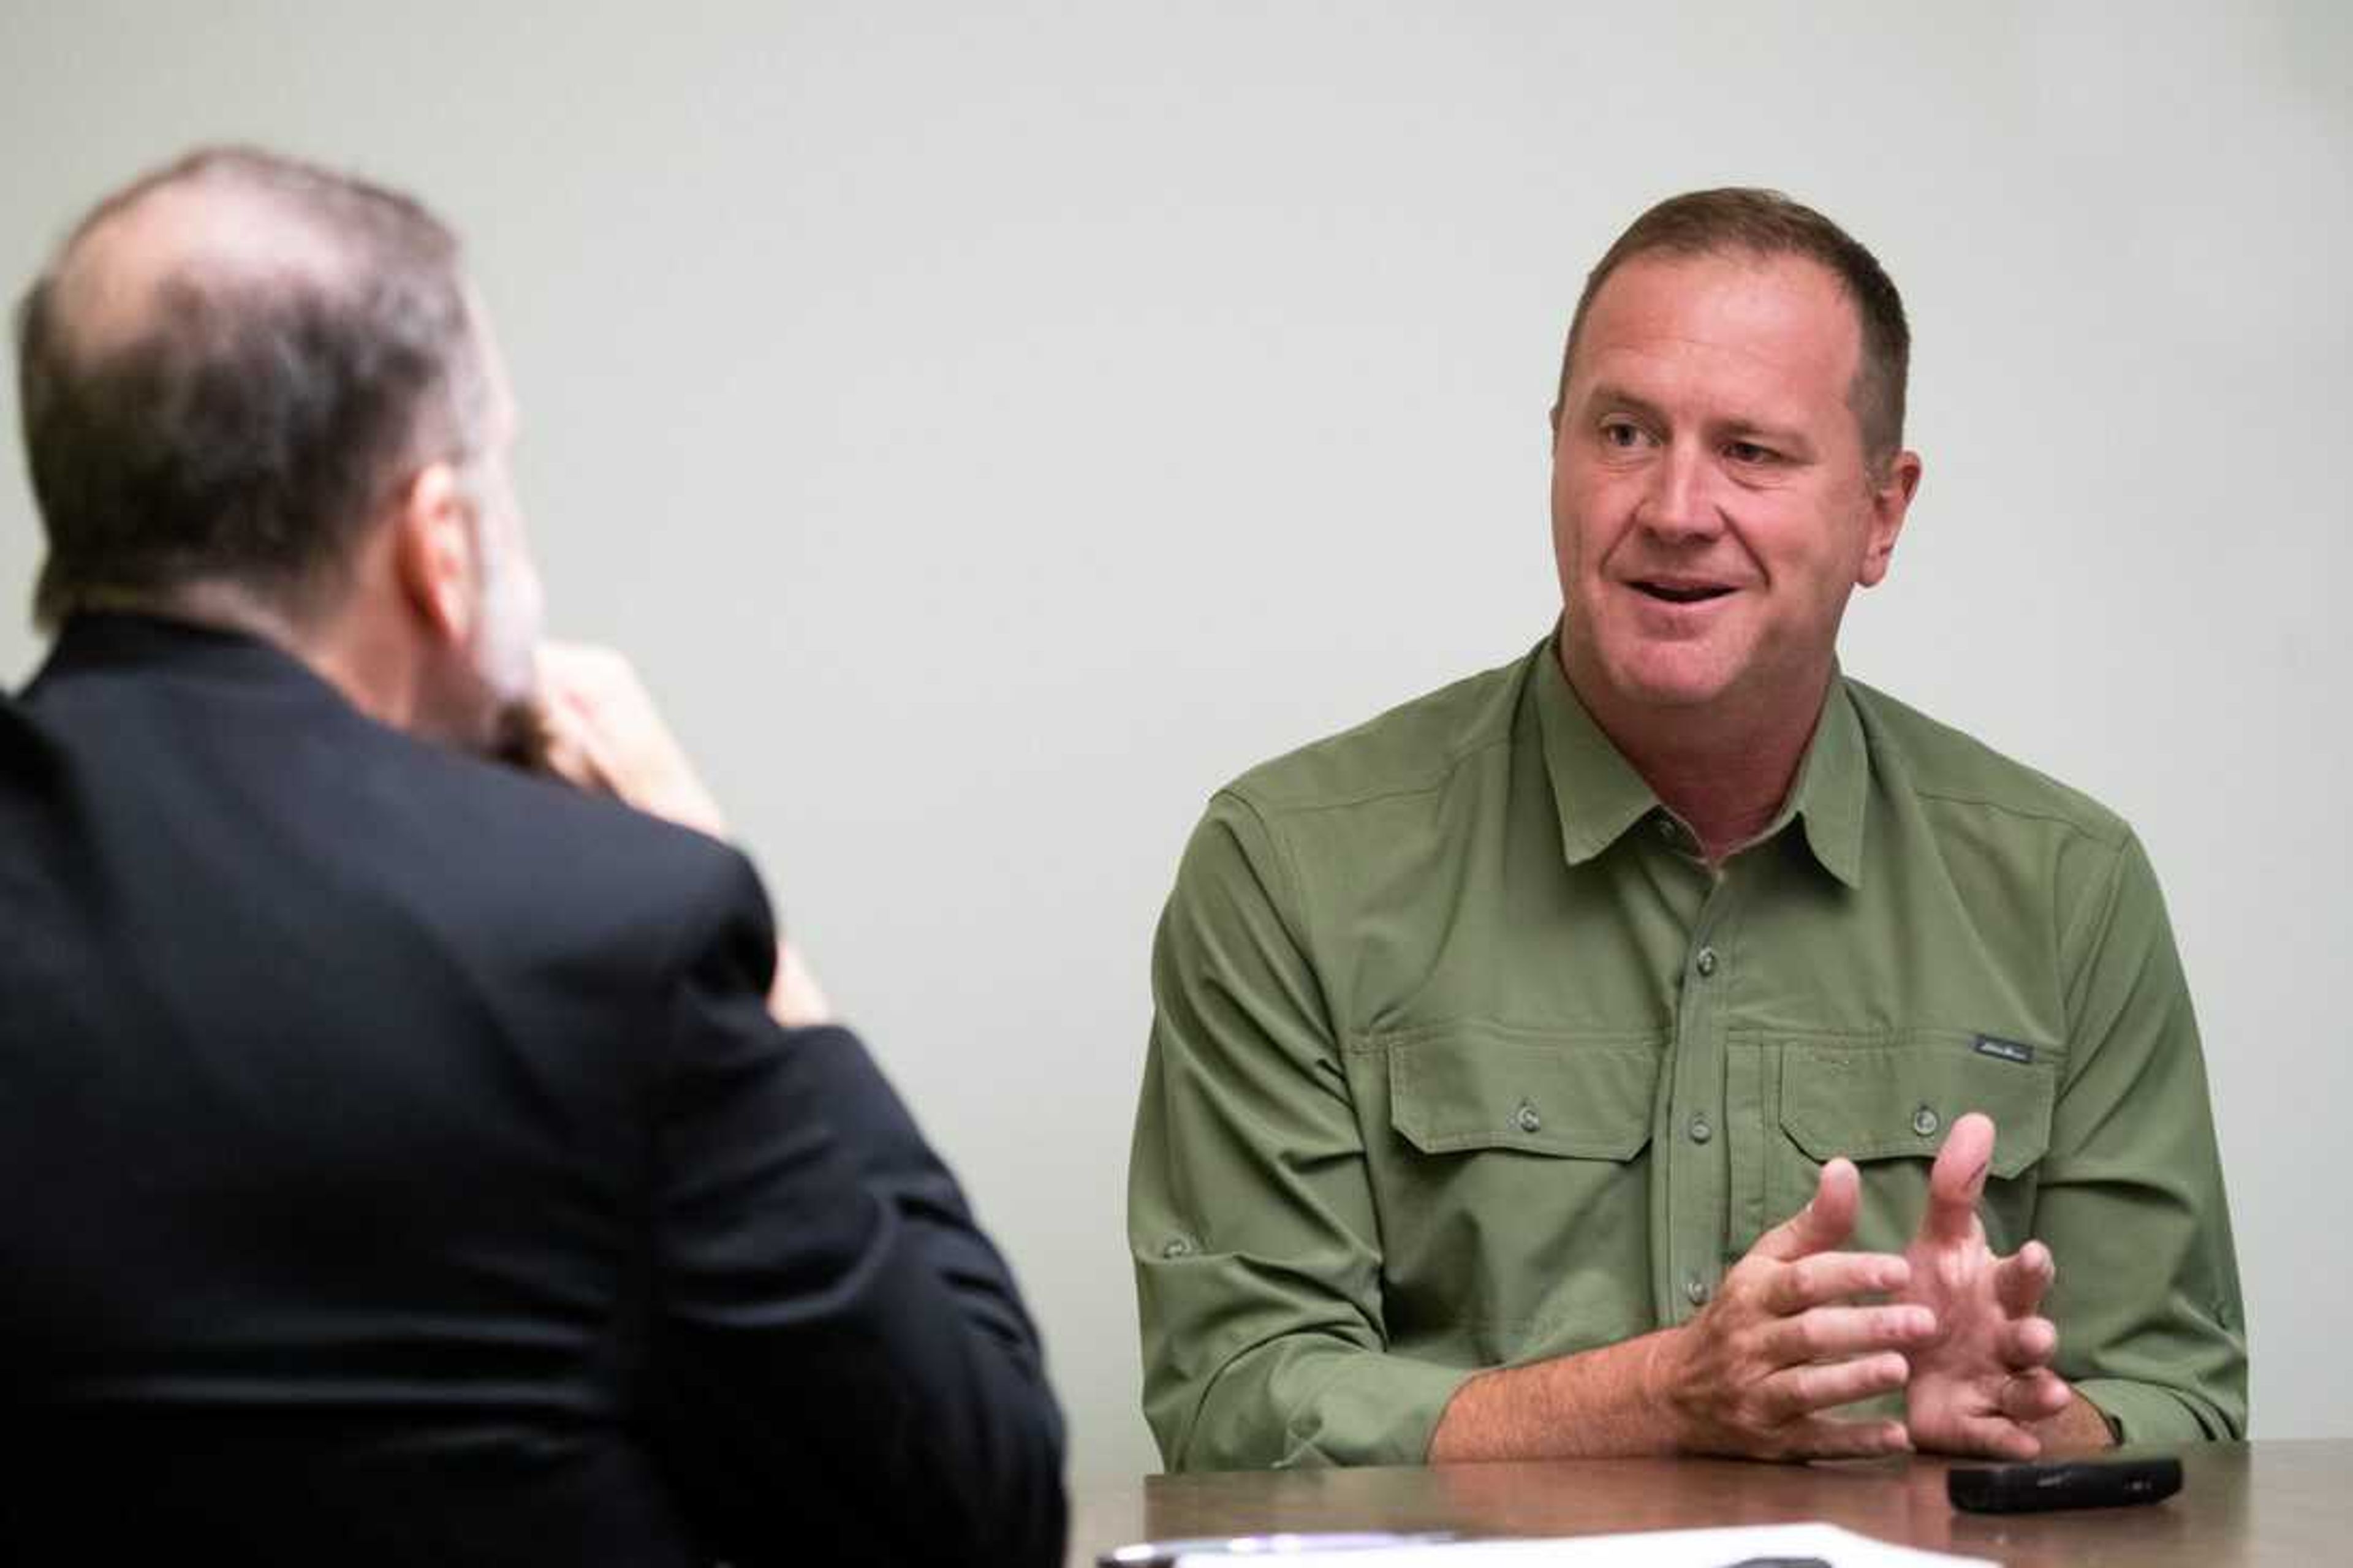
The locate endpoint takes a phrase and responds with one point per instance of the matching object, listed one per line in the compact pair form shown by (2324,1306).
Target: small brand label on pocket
(2008,1050)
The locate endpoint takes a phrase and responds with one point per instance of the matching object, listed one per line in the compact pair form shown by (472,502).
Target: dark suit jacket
(397,1164)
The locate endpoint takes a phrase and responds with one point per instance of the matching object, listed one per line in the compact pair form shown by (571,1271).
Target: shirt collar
(1596,790)
(1833,783)
(1599,794)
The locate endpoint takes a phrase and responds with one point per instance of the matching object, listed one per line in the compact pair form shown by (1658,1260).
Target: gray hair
(260,416)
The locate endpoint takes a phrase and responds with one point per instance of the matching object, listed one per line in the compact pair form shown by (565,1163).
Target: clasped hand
(1799,1328)
(599,729)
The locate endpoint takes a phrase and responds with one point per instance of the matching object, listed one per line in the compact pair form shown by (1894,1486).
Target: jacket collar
(111,641)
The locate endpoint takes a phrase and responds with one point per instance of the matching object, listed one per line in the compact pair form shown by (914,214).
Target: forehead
(1740,327)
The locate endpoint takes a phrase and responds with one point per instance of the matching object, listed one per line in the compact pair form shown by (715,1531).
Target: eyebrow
(1608,395)
(1618,398)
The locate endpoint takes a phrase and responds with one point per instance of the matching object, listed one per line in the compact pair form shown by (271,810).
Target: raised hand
(1985,1377)
(598,728)
(601,730)
(1784,1342)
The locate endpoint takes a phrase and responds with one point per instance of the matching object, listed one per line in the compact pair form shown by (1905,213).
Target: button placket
(1696,1216)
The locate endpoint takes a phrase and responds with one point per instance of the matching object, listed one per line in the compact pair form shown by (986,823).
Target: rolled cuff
(2143,1413)
(1374,1409)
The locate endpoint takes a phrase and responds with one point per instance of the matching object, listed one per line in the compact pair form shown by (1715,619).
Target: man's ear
(1891,491)
(433,552)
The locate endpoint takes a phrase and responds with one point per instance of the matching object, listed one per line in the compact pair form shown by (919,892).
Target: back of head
(1741,220)
(227,370)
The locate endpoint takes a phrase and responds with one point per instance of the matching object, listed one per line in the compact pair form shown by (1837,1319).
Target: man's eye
(1750,452)
(1621,435)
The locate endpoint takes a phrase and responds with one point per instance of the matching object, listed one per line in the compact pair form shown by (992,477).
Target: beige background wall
(991,427)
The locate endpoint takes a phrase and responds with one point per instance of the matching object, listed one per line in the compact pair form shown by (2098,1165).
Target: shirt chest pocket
(1888,1103)
(1512,1178)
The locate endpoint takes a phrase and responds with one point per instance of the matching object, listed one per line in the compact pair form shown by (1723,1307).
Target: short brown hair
(1765,224)
(248,431)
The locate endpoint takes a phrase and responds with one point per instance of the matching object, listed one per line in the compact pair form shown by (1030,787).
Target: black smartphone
(2062,1483)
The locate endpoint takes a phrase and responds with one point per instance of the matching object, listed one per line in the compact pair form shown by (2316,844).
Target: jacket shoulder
(552,845)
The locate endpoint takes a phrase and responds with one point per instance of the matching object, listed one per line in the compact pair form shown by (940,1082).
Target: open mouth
(1680,592)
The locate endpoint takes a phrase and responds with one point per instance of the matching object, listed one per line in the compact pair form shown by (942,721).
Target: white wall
(993,426)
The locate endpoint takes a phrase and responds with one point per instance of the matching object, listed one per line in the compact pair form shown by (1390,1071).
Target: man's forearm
(1596,1404)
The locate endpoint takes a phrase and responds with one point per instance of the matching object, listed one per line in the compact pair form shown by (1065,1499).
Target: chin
(1678,677)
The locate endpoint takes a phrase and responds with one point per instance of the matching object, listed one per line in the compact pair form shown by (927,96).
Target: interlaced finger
(1823,1224)
(1957,1180)
(1827,1277)
(1821,1438)
(1992,1437)
(2035,1395)
(2027,1343)
(1799,1391)
(1832,1333)
(2021,1279)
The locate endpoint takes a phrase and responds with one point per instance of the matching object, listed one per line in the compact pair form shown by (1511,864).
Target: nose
(1676,506)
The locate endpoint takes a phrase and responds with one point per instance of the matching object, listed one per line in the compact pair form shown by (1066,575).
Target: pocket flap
(1872,1100)
(1481,1086)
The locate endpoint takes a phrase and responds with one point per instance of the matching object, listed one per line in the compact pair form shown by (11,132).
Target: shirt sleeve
(2152,1329)
(1251,1218)
(841,1369)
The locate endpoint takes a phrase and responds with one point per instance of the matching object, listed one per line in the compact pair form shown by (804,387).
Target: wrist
(2083,1428)
(1659,1384)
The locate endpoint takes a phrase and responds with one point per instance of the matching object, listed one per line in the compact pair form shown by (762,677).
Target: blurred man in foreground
(405,1166)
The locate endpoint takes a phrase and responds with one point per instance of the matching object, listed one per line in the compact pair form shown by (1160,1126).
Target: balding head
(227,369)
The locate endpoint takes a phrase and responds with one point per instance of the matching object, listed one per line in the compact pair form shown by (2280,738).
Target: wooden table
(2284,1502)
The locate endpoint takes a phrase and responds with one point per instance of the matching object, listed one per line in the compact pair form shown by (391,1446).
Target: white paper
(1648,1549)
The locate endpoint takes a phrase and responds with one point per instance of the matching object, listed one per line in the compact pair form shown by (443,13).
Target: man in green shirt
(1664,1043)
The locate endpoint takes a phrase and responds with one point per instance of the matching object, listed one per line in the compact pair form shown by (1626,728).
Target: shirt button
(1706,962)
(1668,830)
(1700,1129)
(1695,1291)
(1528,1120)
(1176,1247)
(1924,1122)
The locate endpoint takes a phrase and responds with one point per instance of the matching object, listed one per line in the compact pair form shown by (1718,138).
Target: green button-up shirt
(1462,1058)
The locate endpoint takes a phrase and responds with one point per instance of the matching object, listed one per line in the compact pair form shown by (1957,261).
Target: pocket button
(1924,1122)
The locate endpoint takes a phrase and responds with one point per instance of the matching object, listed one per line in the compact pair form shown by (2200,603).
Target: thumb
(1823,1223)
(1957,1180)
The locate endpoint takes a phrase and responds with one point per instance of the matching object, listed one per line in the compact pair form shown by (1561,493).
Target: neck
(356,653)
(1725,768)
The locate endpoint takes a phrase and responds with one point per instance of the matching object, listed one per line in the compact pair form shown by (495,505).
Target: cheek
(1582,529)
(1810,559)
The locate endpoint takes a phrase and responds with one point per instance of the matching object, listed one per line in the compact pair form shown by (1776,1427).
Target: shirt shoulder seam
(2111,837)
(1268,810)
